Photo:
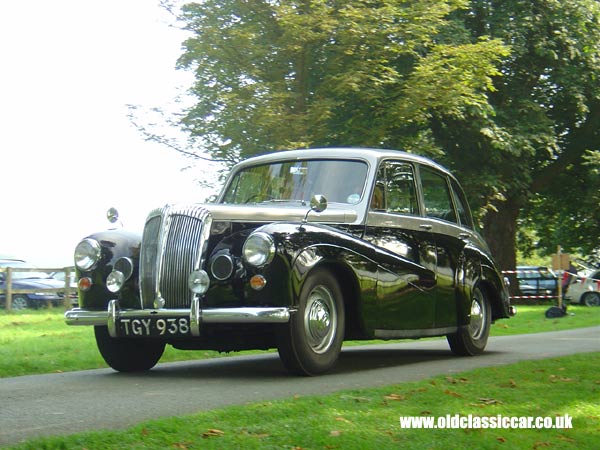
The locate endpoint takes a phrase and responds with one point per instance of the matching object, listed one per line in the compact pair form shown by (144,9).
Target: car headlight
(87,254)
(259,249)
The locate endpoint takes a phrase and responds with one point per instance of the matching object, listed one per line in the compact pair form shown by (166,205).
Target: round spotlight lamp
(198,282)
(115,281)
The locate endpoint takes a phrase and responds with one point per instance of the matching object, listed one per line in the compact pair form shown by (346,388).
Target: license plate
(154,326)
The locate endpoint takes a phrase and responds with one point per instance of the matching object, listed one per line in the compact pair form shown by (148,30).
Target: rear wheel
(311,342)
(591,299)
(471,340)
(128,355)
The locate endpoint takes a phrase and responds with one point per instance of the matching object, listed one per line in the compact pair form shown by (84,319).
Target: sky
(68,150)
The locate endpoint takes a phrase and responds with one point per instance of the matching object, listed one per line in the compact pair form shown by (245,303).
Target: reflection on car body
(302,250)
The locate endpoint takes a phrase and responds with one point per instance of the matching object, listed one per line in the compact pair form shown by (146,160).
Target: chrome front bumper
(109,318)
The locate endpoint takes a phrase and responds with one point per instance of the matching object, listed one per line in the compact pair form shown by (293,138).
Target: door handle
(464,236)
(425,226)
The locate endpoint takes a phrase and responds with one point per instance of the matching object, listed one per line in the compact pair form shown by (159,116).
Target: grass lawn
(36,342)
(40,342)
(370,418)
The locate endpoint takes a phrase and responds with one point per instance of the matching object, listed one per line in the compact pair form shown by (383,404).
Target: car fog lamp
(198,282)
(259,249)
(84,284)
(87,254)
(115,281)
(125,266)
(258,282)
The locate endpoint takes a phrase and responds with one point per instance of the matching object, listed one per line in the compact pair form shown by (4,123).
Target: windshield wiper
(283,200)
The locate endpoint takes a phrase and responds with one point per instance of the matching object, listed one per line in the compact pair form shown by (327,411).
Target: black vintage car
(302,250)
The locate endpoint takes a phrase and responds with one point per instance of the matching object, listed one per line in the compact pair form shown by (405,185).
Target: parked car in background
(33,281)
(537,281)
(585,290)
(302,250)
(60,276)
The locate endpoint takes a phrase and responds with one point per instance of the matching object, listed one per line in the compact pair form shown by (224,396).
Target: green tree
(568,211)
(546,115)
(280,74)
(504,92)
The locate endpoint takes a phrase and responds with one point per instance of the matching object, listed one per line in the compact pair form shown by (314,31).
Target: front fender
(114,244)
(307,246)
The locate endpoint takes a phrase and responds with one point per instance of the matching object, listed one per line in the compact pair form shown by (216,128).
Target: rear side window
(436,195)
(394,190)
(462,207)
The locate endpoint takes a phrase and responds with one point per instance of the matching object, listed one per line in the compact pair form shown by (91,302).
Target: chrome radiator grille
(173,245)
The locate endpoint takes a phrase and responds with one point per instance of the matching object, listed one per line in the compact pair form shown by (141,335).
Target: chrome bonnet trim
(278,213)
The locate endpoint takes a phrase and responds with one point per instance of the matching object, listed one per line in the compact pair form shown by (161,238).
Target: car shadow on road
(359,359)
(268,366)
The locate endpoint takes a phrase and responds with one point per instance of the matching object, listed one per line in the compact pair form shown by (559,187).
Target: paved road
(70,402)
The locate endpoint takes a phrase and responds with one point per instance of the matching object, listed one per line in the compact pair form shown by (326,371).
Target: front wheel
(128,355)
(591,299)
(20,302)
(471,340)
(311,342)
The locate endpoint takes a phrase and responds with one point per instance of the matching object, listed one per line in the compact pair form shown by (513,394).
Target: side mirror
(318,203)
(112,215)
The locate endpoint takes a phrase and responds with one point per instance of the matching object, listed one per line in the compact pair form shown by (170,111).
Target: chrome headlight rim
(258,250)
(87,254)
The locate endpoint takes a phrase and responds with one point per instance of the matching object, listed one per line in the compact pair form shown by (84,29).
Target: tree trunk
(500,232)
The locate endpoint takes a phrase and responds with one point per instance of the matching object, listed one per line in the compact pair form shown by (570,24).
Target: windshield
(297,181)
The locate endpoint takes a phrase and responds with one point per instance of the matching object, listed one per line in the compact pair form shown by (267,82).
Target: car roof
(372,155)
(5,262)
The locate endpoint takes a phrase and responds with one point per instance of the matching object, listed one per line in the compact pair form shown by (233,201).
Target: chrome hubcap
(320,320)
(477,324)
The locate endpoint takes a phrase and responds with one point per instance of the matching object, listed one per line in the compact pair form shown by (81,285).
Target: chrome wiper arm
(283,200)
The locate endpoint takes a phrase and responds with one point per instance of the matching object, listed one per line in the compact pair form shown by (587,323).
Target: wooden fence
(8,290)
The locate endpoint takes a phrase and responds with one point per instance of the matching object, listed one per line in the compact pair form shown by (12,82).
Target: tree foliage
(281,74)
(567,212)
(504,92)
(531,150)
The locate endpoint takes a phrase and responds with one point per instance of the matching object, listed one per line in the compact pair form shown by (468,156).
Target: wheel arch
(478,270)
(492,285)
(350,287)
